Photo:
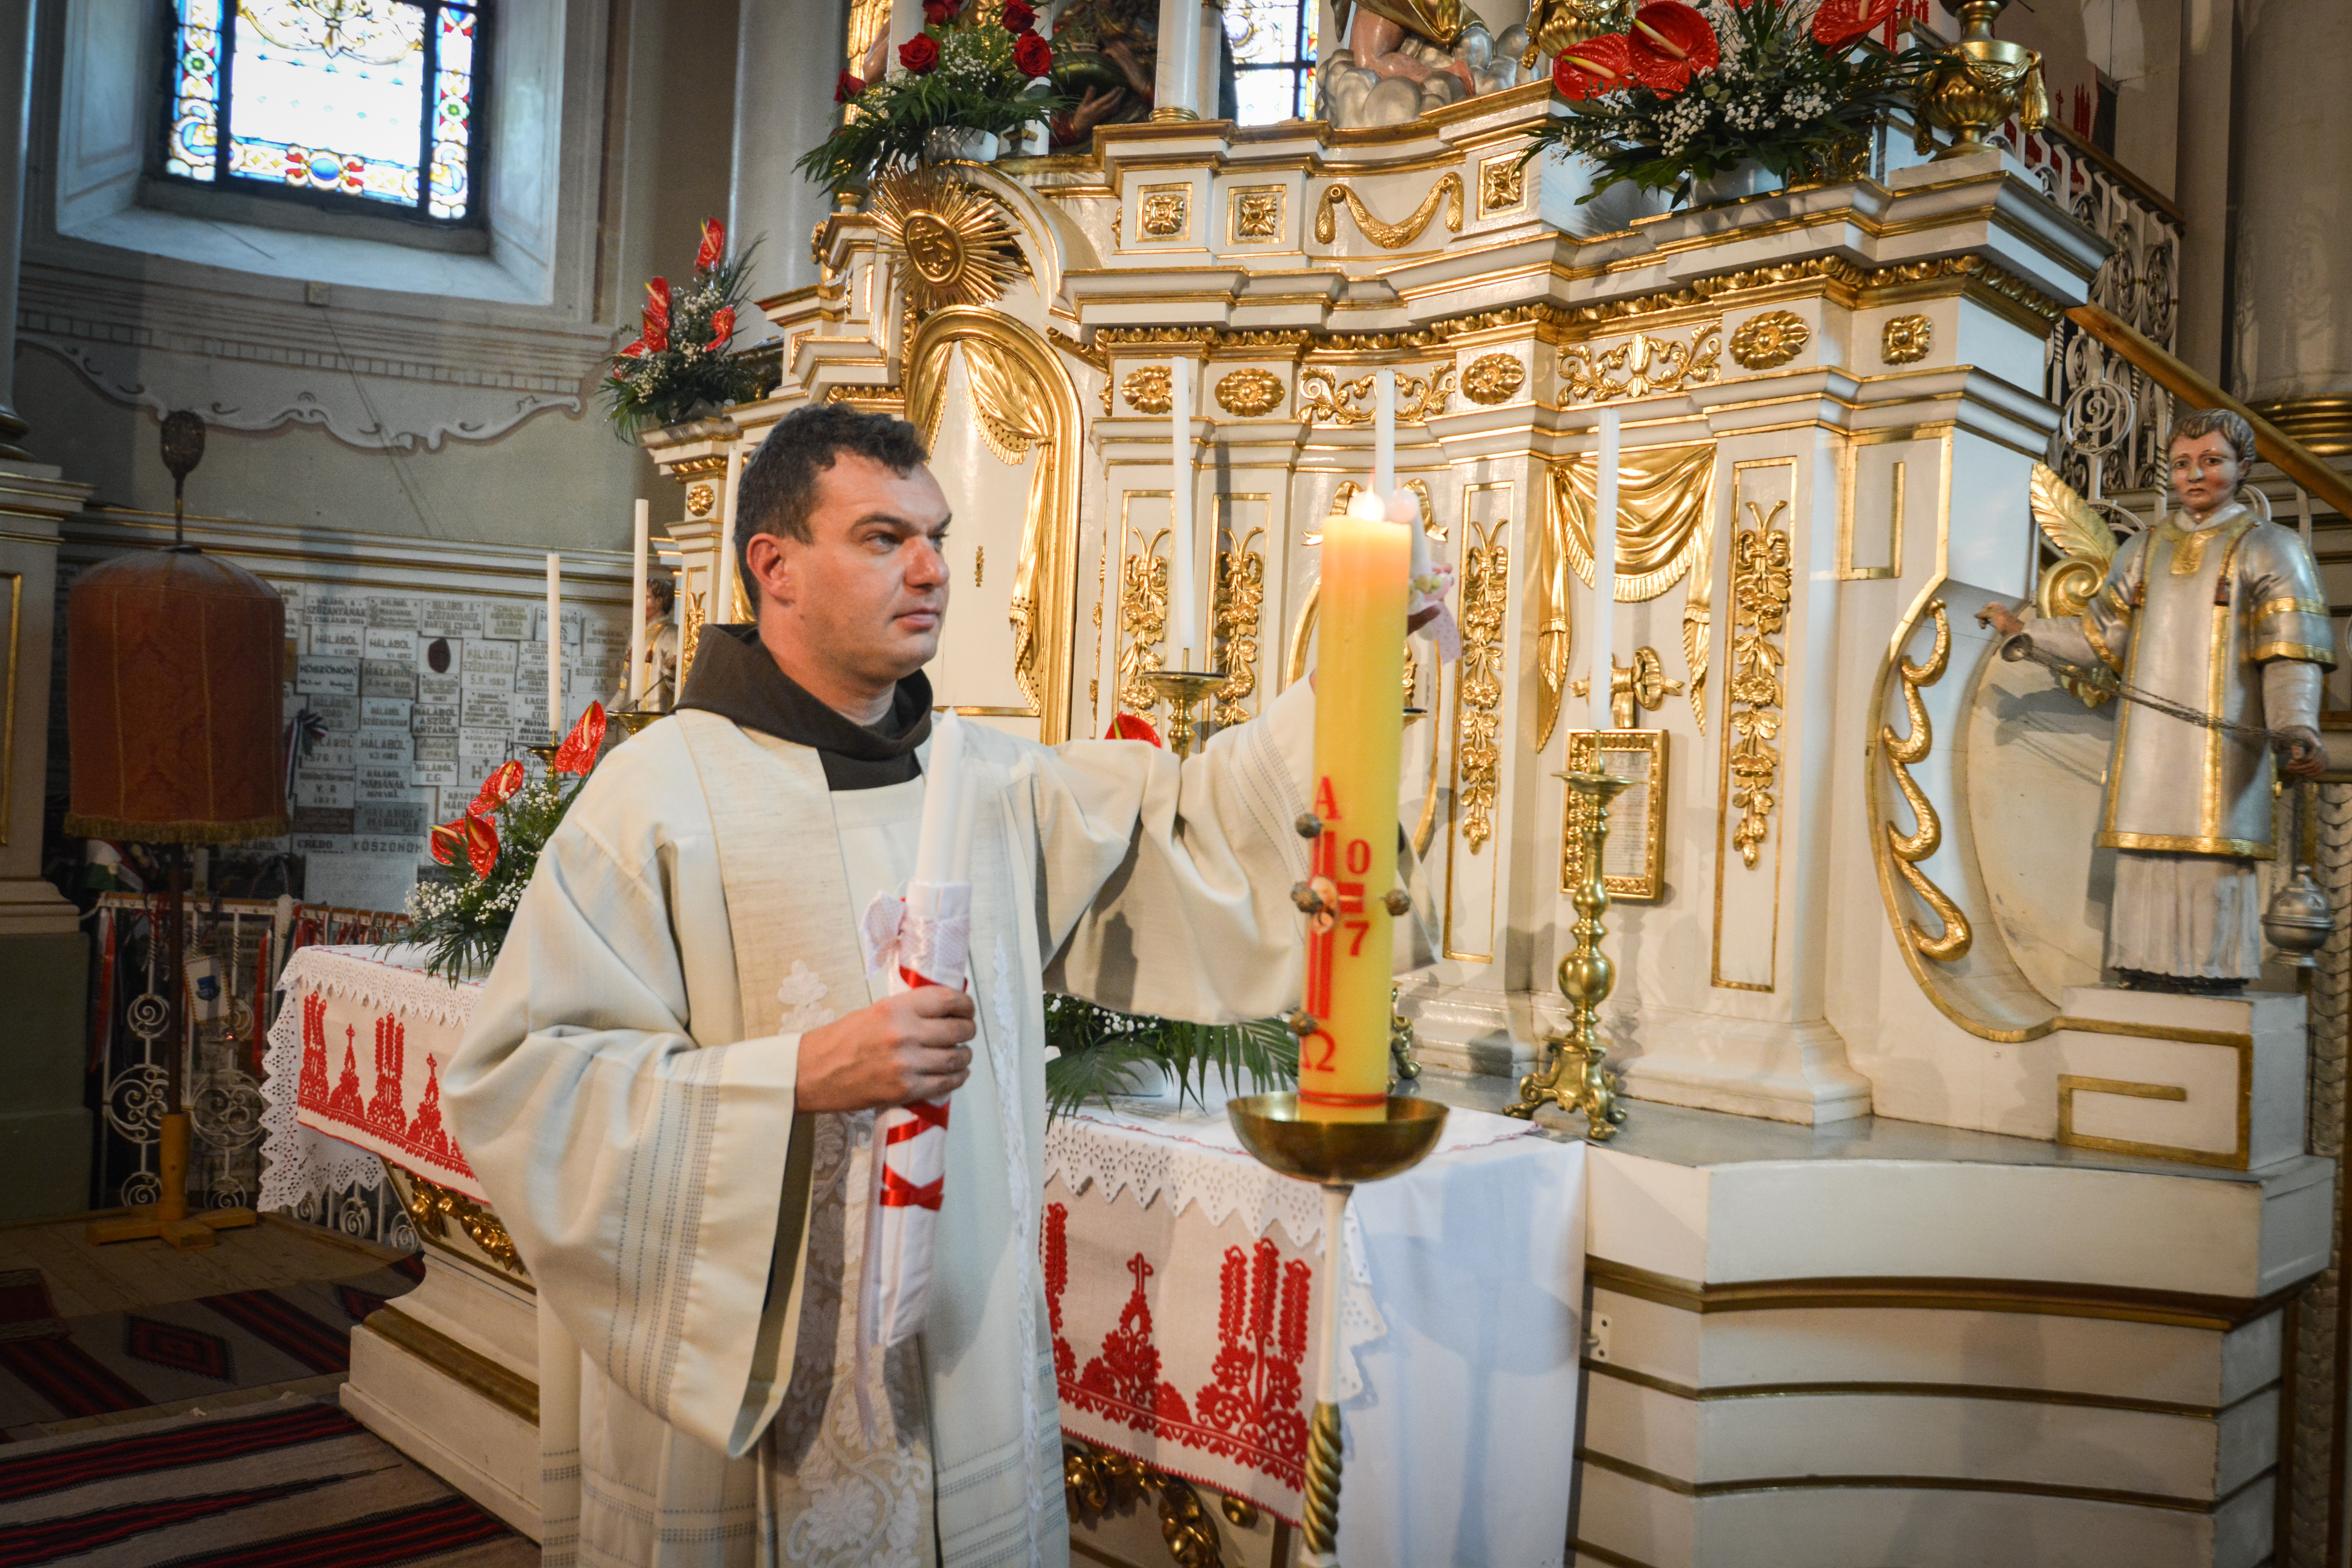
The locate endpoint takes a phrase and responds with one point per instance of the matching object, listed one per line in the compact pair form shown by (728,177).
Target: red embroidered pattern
(381,1115)
(1124,1383)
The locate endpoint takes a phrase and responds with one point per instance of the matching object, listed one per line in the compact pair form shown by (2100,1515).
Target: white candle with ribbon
(1604,566)
(1383,431)
(1184,612)
(640,535)
(555,645)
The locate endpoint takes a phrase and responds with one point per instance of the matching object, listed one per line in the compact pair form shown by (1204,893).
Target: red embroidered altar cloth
(1182,1284)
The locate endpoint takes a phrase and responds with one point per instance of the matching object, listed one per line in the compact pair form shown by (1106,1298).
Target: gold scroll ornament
(1478,682)
(1389,235)
(1324,400)
(1760,583)
(1910,848)
(1648,365)
(1665,535)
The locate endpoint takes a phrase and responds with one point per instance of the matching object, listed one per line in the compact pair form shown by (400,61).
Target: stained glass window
(1274,58)
(368,100)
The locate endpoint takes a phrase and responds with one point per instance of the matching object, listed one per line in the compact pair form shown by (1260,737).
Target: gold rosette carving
(1772,338)
(1152,390)
(1493,378)
(1907,339)
(1249,393)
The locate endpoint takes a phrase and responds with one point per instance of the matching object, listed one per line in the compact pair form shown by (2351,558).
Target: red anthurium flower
(1128,727)
(450,841)
(848,87)
(578,753)
(1017,17)
(920,54)
(1596,65)
(714,245)
(633,351)
(657,337)
(1032,54)
(1671,43)
(497,790)
(482,844)
(722,328)
(1840,25)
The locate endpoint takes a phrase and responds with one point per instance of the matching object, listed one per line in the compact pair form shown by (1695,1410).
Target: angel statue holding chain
(2212,630)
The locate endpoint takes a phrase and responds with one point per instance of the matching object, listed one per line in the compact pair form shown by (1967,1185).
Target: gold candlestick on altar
(1572,1077)
(1978,83)
(1336,1156)
(1183,690)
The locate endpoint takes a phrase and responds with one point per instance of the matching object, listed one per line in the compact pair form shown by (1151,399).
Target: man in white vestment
(671,1082)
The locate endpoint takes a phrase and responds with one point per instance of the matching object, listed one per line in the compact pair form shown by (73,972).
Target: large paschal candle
(1343,1063)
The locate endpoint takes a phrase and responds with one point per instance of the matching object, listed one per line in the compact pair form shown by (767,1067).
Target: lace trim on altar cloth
(1192,1157)
(298,1162)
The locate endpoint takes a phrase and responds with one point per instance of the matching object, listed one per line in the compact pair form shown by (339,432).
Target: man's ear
(769,565)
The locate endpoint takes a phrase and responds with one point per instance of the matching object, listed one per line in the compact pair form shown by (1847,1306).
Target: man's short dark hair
(2227,422)
(777,490)
(665,590)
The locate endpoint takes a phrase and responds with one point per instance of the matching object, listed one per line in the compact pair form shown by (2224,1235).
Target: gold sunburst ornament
(953,241)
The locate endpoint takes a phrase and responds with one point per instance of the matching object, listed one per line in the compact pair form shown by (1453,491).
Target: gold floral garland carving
(1478,689)
(1772,338)
(431,1209)
(1234,624)
(1648,364)
(1761,581)
(1389,235)
(1911,849)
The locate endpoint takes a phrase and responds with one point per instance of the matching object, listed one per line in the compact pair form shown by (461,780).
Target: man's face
(867,594)
(2205,472)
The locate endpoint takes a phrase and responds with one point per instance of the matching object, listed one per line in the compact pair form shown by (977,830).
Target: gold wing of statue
(2084,542)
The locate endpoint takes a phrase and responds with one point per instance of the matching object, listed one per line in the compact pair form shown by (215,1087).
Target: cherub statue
(2211,628)
(1403,56)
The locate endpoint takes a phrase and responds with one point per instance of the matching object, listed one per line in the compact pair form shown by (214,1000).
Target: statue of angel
(2212,627)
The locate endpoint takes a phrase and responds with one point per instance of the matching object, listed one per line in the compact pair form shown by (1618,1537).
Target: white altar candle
(1383,431)
(640,534)
(1107,643)
(555,645)
(1604,567)
(1176,80)
(942,782)
(1184,623)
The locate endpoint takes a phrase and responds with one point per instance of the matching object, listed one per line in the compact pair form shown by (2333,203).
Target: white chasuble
(625,1092)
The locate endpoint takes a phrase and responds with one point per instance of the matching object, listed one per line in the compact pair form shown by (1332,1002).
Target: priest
(670,1084)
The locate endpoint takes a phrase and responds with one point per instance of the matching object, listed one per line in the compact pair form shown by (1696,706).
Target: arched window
(1274,58)
(362,104)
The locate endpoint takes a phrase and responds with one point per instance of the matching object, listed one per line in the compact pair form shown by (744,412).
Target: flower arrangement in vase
(975,74)
(678,366)
(491,852)
(1690,92)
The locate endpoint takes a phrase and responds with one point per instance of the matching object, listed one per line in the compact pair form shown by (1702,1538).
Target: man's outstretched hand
(2002,618)
(905,1047)
(2301,753)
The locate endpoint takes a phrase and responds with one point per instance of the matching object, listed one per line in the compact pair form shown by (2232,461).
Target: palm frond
(1103,1051)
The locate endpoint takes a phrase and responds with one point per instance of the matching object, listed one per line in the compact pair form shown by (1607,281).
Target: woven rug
(111,1362)
(293,1483)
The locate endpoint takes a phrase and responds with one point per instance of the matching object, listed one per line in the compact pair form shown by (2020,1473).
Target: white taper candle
(942,782)
(555,645)
(1383,431)
(1602,661)
(640,536)
(1184,612)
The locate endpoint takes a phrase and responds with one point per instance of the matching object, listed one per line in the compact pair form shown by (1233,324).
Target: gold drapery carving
(1389,235)
(1910,848)
(1760,584)
(1665,534)
(1027,408)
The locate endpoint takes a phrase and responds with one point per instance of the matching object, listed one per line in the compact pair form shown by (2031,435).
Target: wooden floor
(128,1275)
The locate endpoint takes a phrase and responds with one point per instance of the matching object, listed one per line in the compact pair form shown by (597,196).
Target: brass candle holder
(1572,1075)
(1334,1155)
(631,719)
(1979,82)
(1183,690)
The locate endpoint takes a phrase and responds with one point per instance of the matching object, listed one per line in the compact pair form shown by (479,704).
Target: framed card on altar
(1634,860)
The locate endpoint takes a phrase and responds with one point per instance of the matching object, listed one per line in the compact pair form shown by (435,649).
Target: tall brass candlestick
(1572,1077)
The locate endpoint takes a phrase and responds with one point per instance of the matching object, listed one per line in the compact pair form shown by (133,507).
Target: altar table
(1181,1281)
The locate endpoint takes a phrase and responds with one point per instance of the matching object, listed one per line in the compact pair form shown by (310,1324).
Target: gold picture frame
(1637,818)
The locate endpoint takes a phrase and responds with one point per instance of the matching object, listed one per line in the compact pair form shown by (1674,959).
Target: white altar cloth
(1181,1262)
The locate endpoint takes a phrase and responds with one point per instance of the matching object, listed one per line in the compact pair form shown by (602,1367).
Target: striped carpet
(294,1483)
(108,1363)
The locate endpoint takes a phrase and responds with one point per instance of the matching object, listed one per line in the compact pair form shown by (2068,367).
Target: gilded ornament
(1642,364)
(1097,1482)
(1493,378)
(1257,213)
(1389,235)
(950,241)
(1978,83)
(1502,186)
(1910,848)
(1556,24)
(698,497)
(1143,612)
(1907,339)
(1774,338)
(2085,544)
(1323,401)
(1479,689)
(1760,582)
(690,635)
(1152,390)
(1164,212)
(1422,397)
(1234,624)
(432,1207)
(1249,393)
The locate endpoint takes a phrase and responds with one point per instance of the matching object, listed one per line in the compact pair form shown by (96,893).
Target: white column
(2200,180)
(787,58)
(1176,87)
(15,111)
